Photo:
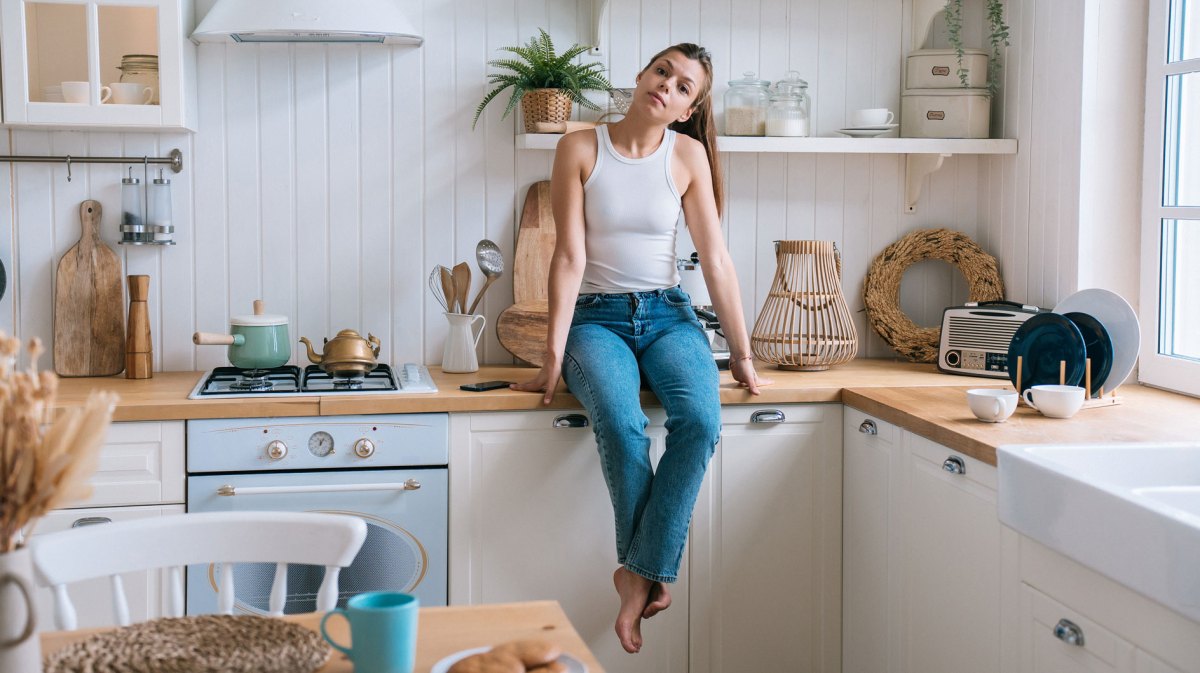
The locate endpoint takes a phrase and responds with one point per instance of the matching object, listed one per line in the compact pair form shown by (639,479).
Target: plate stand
(1100,400)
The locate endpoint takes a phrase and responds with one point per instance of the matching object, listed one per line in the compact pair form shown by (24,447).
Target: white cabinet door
(766,543)
(541,527)
(868,533)
(61,58)
(146,592)
(140,464)
(950,567)
(1055,639)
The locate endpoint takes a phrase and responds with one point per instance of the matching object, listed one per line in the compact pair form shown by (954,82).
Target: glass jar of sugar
(788,110)
(746,106)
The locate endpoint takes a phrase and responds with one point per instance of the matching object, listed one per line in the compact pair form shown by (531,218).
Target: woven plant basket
(545,105)
(805,323)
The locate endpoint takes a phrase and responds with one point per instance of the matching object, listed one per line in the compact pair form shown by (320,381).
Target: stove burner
(348,384)
(253,380)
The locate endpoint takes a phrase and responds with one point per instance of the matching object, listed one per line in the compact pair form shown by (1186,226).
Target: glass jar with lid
(746,106)
(788,110)
(141,69)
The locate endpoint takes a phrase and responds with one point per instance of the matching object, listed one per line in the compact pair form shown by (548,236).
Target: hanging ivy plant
(997,38)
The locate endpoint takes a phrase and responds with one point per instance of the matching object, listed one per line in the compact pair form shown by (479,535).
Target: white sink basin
(1130,511)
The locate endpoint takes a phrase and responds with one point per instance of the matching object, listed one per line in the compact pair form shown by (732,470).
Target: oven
(389,470)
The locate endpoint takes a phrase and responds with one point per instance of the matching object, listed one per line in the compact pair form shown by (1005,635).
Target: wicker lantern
(805,323)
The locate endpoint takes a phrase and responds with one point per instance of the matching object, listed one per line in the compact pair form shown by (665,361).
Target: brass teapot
(348,355)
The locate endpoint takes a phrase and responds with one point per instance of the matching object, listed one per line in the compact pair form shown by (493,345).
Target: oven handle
(227,489)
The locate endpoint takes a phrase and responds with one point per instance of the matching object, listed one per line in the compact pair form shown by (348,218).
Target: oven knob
(364,448)
(276,450)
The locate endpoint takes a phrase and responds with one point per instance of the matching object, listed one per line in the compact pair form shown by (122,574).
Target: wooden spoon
(462,285)
(448,288)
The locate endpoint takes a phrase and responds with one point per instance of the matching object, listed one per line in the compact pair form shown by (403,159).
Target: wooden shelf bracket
(916,168)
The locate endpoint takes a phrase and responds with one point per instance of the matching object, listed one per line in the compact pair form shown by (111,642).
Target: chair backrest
(173,542)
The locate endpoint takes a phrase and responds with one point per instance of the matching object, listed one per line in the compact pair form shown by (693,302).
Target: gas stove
(226,382)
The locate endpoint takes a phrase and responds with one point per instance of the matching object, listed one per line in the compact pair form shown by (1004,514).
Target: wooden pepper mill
(138,349)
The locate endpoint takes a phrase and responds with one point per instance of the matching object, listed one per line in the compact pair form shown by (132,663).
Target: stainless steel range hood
(361,21)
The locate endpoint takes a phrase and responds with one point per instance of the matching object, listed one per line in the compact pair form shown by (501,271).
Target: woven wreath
(881,291)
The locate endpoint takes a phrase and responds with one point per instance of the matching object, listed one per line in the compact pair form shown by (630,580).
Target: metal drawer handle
(1068,632)
(571,421)
(768,416)
(227,489)
(954,465)
(90,521)
(867,427)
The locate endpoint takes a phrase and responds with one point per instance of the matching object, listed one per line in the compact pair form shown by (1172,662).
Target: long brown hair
(701,125)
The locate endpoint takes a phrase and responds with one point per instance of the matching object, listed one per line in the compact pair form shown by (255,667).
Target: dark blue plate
(1042,342)
(1099,348)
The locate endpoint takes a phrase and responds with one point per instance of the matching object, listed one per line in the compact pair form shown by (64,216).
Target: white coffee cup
(876,116)
(78,92)
(992,405)
(131,93)
(1054,401)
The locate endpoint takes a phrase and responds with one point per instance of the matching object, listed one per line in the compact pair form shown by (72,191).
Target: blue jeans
(615,341)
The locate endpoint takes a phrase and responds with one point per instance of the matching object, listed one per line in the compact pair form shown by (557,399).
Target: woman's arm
(704,225)
(572,162)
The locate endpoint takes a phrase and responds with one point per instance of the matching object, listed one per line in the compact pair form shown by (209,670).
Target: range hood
(358,21)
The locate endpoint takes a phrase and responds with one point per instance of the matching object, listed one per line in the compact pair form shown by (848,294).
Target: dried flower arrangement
(45,461)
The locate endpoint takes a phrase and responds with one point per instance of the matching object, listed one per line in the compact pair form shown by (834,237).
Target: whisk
(435,286)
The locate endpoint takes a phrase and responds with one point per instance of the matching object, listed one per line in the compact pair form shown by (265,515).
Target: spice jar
(788,111)
(746,106)
(133,210)
(160,230)
(141,69)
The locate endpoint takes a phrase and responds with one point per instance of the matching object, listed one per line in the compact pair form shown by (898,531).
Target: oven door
(405,549)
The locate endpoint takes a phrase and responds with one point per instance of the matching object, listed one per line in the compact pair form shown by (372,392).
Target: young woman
(618,317)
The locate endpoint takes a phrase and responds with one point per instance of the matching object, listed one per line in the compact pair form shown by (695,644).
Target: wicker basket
(545,105)
(805,323)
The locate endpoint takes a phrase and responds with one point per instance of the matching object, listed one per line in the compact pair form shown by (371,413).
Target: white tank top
(631,211)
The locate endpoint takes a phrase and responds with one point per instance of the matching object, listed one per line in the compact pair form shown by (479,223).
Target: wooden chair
(173,542)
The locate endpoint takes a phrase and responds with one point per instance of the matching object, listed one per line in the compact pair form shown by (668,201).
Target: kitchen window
(1170,296)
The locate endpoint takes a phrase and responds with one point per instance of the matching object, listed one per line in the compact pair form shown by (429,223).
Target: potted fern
(997,38)
(543,82)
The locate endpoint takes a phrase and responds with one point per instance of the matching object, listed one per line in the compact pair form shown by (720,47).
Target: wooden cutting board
(521,328)
(89,316)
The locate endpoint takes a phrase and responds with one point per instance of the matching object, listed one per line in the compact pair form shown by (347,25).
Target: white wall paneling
(329,180)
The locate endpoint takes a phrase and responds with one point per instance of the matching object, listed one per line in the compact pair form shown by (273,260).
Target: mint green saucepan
(258,341)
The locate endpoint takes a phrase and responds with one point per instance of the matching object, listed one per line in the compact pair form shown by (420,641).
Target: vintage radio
(975,337)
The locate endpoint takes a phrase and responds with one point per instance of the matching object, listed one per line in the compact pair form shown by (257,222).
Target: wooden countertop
(941,414)
(440,632)
(164,397)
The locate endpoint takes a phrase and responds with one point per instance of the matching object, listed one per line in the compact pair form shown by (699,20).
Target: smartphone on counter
(484,385)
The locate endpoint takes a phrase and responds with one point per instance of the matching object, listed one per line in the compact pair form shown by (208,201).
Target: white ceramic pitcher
(20,649)
(459,356)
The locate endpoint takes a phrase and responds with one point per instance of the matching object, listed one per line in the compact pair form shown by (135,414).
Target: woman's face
(669,86)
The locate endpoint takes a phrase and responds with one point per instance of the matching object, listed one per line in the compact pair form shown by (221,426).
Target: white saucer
(864,133)
(878,127)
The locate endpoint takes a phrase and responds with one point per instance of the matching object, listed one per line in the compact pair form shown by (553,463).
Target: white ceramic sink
(1130,511)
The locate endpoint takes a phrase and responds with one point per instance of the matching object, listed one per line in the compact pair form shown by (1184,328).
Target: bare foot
(659,600)
(634,591)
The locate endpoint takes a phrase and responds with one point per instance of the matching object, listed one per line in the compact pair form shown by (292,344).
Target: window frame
(1154,368)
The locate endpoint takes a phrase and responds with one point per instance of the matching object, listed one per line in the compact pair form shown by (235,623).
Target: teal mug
(383,628)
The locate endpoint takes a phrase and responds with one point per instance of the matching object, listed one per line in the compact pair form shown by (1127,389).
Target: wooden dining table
(441,632)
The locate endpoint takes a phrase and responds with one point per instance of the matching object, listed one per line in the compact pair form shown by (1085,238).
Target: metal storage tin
(945,113)
(938,69)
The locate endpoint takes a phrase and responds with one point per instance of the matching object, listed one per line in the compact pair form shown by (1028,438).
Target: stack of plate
(1095,325)
(867,131)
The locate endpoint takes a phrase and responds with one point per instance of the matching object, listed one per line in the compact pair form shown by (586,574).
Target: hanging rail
(174,159)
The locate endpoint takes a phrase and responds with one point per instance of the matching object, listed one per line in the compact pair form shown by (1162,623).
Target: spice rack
(924,155)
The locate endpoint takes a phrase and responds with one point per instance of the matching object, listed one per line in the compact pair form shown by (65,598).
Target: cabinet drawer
(1057,638)
(974,472)
(140,464)
(766,415)
(865,427)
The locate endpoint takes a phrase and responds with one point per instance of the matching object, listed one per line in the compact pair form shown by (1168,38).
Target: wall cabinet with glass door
(113,64)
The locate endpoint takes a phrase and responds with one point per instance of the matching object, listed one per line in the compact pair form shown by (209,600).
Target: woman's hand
(743,372)
(546,380)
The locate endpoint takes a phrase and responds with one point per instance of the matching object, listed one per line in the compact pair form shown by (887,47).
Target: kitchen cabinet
(530,518)
(61,58)
(765,559)
(139,474)
(1074,620)
(922,552)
